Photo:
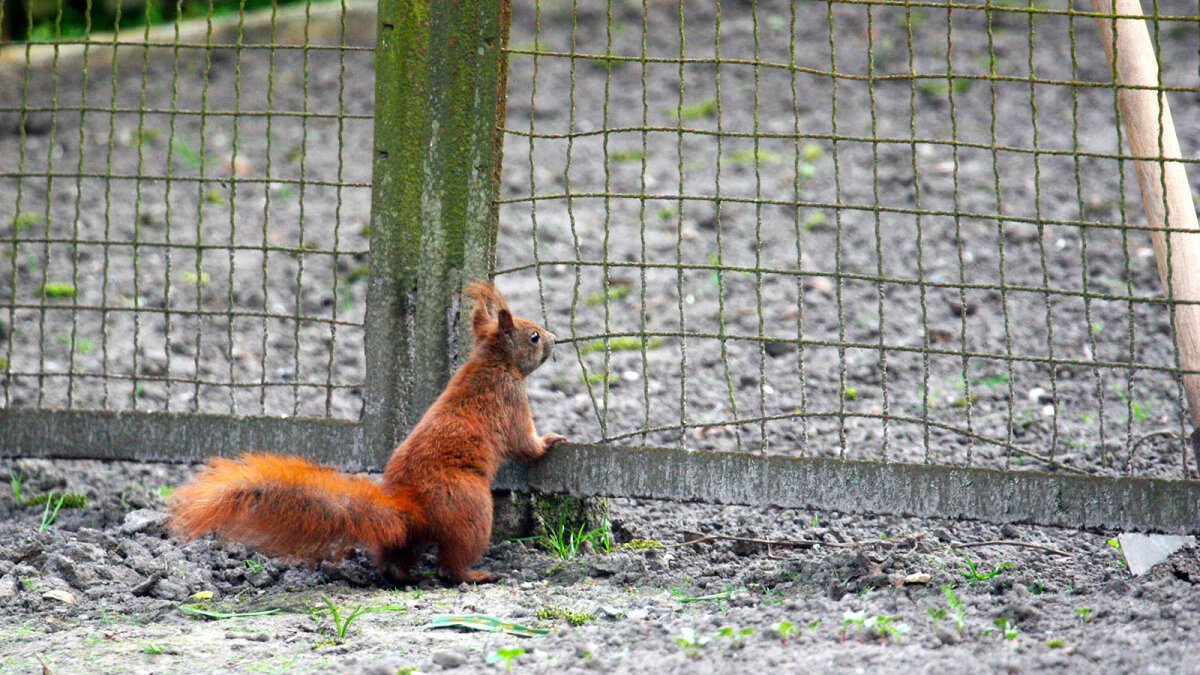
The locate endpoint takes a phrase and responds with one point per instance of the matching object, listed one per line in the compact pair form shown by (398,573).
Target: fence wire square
(902,231)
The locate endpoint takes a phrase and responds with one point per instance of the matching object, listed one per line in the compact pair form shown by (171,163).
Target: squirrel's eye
(534,337)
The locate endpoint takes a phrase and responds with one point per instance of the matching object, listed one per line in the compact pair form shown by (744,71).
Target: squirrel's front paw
(551,440)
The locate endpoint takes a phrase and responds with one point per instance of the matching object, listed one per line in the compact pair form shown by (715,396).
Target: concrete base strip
(1142,504)
(1129,504)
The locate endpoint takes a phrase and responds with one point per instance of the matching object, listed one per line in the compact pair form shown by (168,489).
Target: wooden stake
(1166,195)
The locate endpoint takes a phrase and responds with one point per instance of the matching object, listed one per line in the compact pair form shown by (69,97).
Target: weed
(565,543)
(573,618)
(48,516)
(15,480)
(813,220)
(853,619)
(785,629)
(253,565)
(885,627)
(973,574)
(215,197)
(1037,588)
(195,278)
(185,151)
(705,108)
(152,648)
(812,625)
(619,344)
(25,219)
(198,609)
(71,500)
(164,491)
(1131,402)
(958,613)
(505,654)
(752,156)
(56,289)
(936,614)
(27,582)
(610,293)
(1083,613)
(1055,643)
(1010,631)
(737,636)
(666,213)
(639,544)
(690,641)
(685,599)
(1117,545)
(958,85)
(634,155)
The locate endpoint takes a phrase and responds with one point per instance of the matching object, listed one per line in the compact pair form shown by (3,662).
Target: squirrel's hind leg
(395,564)
(464,533)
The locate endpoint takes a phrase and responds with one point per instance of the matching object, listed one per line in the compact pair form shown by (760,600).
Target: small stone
(947,635)
(448,659)
(142,520)
(59,595)
(917,578)
(9,587)
(169,590)
(775,349)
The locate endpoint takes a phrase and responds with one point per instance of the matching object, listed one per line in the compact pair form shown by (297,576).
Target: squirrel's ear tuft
(480,322)
(506,321)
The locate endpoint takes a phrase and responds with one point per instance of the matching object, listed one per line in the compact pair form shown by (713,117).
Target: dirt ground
(889,293)
(101,590)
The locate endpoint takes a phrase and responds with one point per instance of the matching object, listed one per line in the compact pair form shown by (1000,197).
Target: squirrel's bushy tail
(290,507)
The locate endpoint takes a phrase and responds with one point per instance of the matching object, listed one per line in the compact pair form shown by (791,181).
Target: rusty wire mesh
(183,225)
(902,231)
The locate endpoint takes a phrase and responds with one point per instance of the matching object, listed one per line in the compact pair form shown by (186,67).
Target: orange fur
(436,486)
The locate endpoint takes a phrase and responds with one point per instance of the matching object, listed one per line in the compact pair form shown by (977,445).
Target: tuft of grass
(639,544)
(25,219)
(181,148)
(1055,643)
(958,85)
(635,155)
(752,156)
(785,629)
(70,500)
(705,108)
(610,293)
(193,278)
(56,289)
(48,516)
(666,213)
(565,542)
(737,636)
(973,574)
(573,618)
(505,654)
(618,344)
(152,648)
(813,220)
(690,641)
(596,378)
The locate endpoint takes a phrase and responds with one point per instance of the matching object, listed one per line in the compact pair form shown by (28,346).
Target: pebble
(9,587)
(947,635)
(142,520)
(448,659)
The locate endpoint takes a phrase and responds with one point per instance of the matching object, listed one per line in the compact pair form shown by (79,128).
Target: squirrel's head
(525,342)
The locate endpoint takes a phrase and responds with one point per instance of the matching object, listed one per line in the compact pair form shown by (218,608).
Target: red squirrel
(436,486)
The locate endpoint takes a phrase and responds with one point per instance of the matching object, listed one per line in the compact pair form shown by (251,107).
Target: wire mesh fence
(860,229)
(184,223)
(901,231)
